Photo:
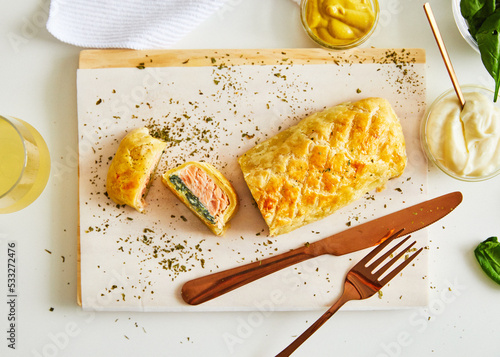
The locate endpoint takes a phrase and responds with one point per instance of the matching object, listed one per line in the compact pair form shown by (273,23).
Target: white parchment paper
(133,261)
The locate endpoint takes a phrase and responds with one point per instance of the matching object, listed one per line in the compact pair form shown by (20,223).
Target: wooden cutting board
(93,59)
(395,63)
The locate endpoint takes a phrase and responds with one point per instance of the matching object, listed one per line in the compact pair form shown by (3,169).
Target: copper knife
(363,236)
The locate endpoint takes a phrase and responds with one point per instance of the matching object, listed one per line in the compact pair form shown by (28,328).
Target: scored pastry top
(325,162)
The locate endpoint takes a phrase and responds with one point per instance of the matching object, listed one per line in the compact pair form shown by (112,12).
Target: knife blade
(362,236)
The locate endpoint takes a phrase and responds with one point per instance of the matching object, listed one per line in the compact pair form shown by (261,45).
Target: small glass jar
(339,44)
(426,132)
(24,164)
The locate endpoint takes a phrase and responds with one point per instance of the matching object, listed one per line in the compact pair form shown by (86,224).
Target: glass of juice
(24,164)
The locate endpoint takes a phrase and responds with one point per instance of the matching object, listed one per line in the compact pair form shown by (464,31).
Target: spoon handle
(444,53)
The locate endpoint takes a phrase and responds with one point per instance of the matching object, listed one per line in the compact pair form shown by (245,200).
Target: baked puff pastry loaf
(326,161)
(132,168)
(205,191)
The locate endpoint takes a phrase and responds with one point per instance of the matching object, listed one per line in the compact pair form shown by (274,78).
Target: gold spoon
(444,53)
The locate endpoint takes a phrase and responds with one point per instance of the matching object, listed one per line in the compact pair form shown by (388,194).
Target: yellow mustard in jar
(339,22)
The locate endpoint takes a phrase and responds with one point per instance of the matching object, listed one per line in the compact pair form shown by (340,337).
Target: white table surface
(38,76)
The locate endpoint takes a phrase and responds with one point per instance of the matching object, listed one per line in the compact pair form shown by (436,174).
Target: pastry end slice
(205,191)
(132,168)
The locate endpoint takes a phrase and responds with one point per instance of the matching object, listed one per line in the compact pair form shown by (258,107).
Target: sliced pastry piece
(326,161)
(207,193)
(132,168)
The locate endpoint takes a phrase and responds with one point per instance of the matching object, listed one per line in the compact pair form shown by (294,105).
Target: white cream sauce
(466,142)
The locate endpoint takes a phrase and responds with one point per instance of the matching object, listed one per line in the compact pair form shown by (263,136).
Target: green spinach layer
(191,198)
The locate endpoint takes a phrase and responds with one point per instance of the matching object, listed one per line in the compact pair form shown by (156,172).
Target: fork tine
(400,267)
(380,260)
(379,248)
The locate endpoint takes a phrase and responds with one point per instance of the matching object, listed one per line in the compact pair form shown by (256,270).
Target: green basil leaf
(488,256)
(470,8)
(476,12)
(488,42)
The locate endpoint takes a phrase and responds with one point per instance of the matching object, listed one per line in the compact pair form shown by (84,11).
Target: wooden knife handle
(208,287)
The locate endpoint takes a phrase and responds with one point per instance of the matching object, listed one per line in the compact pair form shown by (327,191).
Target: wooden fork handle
(208,287)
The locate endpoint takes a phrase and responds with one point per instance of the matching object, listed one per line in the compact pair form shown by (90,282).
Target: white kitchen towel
(136,24)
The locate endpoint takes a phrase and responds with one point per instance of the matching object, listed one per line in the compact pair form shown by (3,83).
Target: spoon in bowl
(444,53)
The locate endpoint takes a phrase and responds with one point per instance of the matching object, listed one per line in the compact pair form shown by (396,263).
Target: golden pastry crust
(132,167)
(325,162)
(220,224)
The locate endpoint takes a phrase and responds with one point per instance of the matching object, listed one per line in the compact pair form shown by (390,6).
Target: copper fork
(361,282)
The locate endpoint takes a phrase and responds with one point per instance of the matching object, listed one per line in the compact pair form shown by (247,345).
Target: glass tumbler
(24,164)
